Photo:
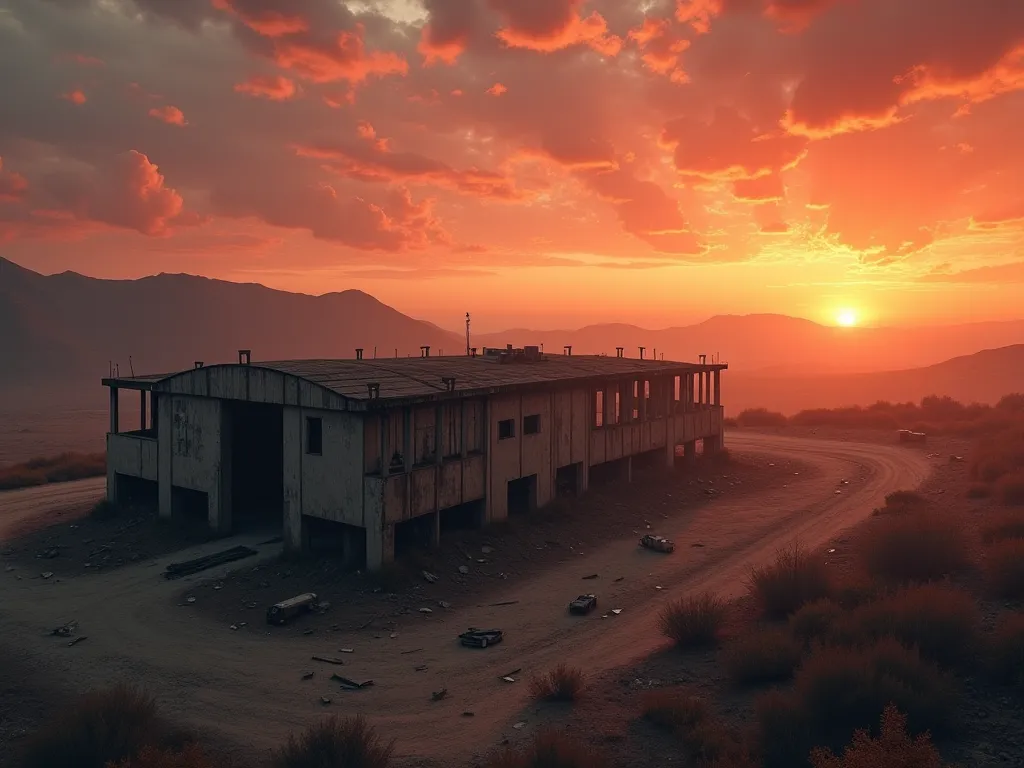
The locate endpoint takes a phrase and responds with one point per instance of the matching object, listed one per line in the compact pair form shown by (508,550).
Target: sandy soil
(26,509)
(248,682)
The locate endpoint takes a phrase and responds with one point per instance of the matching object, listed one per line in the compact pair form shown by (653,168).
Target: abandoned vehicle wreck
(371,456)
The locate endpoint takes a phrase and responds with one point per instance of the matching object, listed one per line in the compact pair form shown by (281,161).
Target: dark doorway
(257,464)
(463,517)
(189,507)
(337,540)
(415,534)
(522,495)
(136,492)
(567,480)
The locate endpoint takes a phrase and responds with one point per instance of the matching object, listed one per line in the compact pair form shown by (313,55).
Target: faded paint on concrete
(330,489)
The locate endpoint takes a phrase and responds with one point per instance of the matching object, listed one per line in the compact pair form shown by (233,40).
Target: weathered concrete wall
(428,489)
(132,455)
(615,442)
(332,483)
(535,451)
(252,383)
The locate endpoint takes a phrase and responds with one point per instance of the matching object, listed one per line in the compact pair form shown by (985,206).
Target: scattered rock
(467,713)
(487,550)
(47,574)
(426,610)
(464,569)
(308,676)
(429,577)
(325,700)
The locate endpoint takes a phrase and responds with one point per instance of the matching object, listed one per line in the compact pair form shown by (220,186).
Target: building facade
(372,455)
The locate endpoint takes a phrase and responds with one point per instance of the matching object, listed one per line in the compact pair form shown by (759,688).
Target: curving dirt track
(247,684)
(25,508)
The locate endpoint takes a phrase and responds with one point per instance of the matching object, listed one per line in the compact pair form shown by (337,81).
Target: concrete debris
(508,679)
(519,726)
(65,630)
(467,713)
(308,676)
(323,606)
(431,578)
(77,640)
(464,569)
(393,635)
(47,574)
(218,586)
(325,700)
(327,660)
(190,599)
(438,695)
(346,650)
(309,632)
(420,668)
(486,550)
(616,611)
(426,610)
(351,684)
(657,587)
(444,604)
(591,576)
(177,570)
(48,554)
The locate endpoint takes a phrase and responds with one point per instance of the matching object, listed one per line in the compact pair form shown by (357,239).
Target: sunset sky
(536,162)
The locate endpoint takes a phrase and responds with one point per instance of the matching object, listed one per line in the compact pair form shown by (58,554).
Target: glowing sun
(846,318)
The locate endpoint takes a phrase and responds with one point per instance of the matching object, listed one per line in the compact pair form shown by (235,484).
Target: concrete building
(373,455)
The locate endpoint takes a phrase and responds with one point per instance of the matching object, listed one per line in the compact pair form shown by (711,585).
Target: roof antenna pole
(130,366)
(467,334)
(374,353)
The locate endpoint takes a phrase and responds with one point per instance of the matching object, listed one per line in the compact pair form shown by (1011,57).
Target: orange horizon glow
(553,165)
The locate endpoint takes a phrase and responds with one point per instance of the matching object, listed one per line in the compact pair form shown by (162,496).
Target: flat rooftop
(413,378)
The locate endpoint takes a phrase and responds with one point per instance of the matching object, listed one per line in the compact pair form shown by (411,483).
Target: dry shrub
(550,749)
(1008,525)
(349,742)
(767,656)
(979,491)
(1006,650)
(761,417)
(997,455)
(895,748)
(563,683)
(693,622)
(190,756)
(941,622)
(102,727)
(914,547)
(814,621)
(52,469)
(841,690)
(1004,568)
(674,710)
(1010,489)
(904,501)
(795,578)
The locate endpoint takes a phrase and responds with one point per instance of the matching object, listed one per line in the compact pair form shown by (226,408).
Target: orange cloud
(661,47)
(170,115)
(13,186)
(344,58)
(273,87)
(698,13)
(266,21)
(497,89)
(553,25)
(447,32)
(76,97)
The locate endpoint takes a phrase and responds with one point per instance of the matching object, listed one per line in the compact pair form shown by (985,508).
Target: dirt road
(25,507)
(247,683)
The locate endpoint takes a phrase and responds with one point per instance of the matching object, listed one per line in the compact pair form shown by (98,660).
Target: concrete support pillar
(642,394)
(154,404)
(380,547)
(111,480)
(115,414)
(162,416)
(689,453)
(718,388)
(221,508)
(294,533)
(464,431)
(385,445)
(706,391)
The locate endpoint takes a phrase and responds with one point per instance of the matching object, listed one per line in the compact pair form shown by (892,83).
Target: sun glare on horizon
(847,318)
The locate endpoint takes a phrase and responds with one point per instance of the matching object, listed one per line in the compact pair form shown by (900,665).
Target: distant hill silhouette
(68,326)
(983,377)
(778,343)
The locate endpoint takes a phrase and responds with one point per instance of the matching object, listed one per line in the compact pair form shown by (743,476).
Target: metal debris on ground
(325,700)
(429,577)
(438,695)
(346,650)
(467,713)
(177,570)
(508,679)
(616,611)
(411,650)
(506,602)
(591,576)
(46,574)
(351,684)
(65,630)
(78,640)
(327,660)
(621,578)
(420,668)
(308,676)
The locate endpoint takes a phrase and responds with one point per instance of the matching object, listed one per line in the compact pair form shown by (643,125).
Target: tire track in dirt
(246,684)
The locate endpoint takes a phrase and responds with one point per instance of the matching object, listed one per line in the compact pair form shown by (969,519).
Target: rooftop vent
(244,355)
(199,364)
(618,351)
(472,351)
(425,351)
(642,352)
(359,353)
(373,390)
(703,359)
(449,383)
(567,349)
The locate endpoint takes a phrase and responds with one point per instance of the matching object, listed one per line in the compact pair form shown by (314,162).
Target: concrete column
(642,394)
(294,535)
(114,412)
(163,416)
(221,517)
(380,547)
(464,429)
(154,403)
(488,463)
(689,453)
(111,479)
(718,387)
(385,445)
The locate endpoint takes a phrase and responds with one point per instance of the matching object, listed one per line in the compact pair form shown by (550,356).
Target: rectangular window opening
(314,436)
(506,429)
(531,424)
